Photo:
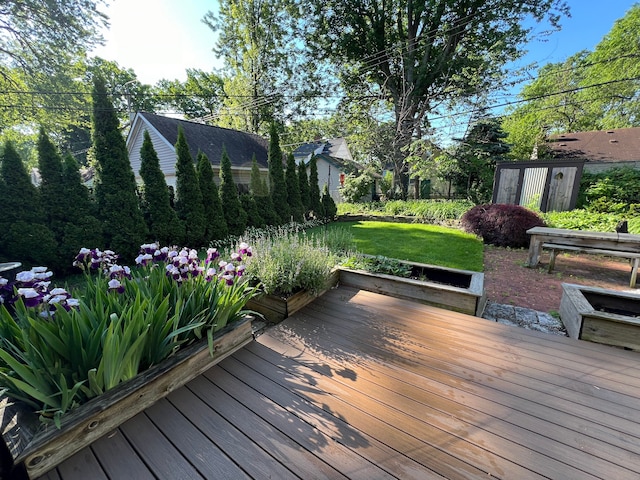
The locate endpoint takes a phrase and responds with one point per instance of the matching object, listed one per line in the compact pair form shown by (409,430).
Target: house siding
(598,167)
(329,174)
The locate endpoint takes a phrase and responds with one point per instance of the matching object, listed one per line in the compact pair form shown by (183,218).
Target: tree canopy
(420,55)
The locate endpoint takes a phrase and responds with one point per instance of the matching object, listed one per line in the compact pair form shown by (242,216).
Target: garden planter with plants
(73,370)
(292,269)
(600,315)
(449,288)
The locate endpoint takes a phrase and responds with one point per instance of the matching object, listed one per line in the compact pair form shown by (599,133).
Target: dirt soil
(508,281)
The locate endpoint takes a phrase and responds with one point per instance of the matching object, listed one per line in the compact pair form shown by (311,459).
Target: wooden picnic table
(603,243)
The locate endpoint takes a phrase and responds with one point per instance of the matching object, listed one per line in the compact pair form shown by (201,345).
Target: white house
(240,146)
(334,162)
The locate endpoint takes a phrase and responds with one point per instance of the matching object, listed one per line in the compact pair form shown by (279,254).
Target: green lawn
(422,243)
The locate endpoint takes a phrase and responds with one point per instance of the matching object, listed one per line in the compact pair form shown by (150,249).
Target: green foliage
(162,221)
(315,203)
(277,182)
(476,158)
(250,206)
(24,235)
(580,219)
(74,353)
(200,95)
(378,264)
(216,225)
(260,192)
(305,191)
(189,206)
(234,214)
(293,190)
(124,228)
(329,208)
(612,191)
(82,226)
(288,261)
(357,186)
(427,211)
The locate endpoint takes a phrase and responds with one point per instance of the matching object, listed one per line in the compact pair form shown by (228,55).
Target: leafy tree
(189,206)
(200,96)
(124,228)
(37,38)
(329,208)
(305,192)
(476,157)
(216,225)
(162,220)
(293,189)
(278,184)
(357,186)
(440,51)
(263,57)
(234,214)
(260,193)
(315,200)
(24,236)
(554,103)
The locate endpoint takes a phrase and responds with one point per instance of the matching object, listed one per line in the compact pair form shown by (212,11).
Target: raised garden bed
(275,308)
(449,288)
(43,446)
(602,316)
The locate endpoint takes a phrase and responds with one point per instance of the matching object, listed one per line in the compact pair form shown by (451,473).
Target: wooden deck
(364,386)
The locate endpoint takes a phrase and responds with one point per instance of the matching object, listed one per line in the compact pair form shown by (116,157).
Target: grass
(421,243)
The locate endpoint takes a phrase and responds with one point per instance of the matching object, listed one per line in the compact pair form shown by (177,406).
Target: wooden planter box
(449,288)
(43,446)
(275,308)
(602,316)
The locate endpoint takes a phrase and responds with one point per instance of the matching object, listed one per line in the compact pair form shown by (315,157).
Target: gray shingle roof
(616,145)
(241,146)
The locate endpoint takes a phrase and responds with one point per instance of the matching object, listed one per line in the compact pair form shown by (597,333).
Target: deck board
(360,385)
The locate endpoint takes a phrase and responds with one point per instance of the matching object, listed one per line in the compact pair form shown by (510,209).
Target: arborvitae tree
(82,229)
(51,192)
(277,183)
(315,205)
(305,192)
(24,237)
(329,209)
(124,228)
(162,220)
(216,225)
(260,192)
(234,214)
(293,190)
(189,206)
(250,206)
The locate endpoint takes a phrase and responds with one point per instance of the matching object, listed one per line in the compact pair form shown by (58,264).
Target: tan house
(240,146)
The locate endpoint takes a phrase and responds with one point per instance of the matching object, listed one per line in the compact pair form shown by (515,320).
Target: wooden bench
(634,258)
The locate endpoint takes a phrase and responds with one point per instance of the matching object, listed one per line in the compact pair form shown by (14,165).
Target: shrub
(287,261)
(500,224)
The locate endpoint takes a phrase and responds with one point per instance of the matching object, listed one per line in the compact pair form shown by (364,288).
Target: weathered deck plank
(360,385)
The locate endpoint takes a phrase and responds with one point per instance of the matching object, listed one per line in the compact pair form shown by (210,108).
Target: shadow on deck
(360,385)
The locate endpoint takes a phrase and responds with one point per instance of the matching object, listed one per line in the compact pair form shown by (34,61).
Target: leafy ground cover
(431,244)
